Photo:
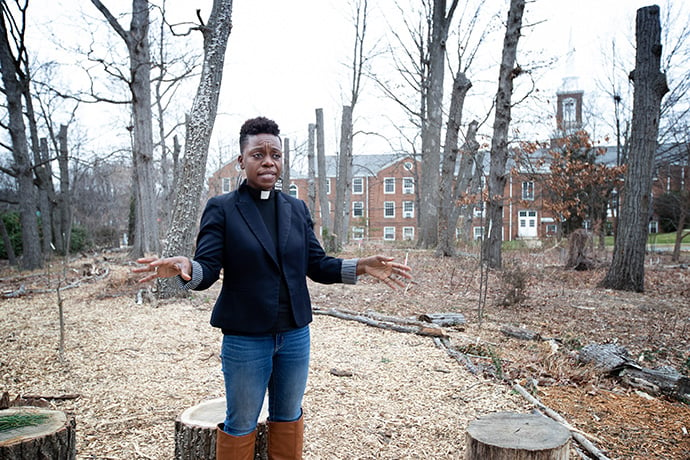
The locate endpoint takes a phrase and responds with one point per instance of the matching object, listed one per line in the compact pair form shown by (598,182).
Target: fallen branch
(384,322)
(578,435)
(443,342)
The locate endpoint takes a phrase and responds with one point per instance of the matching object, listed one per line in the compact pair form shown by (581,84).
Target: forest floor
(127,370)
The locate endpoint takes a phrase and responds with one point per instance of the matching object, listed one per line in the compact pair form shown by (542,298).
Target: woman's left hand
(384,269)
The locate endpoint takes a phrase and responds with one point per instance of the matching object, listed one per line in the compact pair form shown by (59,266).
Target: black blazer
(233,236)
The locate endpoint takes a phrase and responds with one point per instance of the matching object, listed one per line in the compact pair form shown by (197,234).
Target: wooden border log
(509,435)
(195,431)
(52,434)
(390,323)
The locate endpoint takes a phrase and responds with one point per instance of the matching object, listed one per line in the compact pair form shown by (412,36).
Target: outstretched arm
(384,269)
(164,268)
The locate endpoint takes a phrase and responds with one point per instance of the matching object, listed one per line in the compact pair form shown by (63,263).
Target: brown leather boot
(285,440)
(229,447)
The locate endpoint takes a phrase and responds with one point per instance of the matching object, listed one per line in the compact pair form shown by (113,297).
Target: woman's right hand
(164,268)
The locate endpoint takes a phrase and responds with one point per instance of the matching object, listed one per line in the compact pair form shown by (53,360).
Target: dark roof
(362,165)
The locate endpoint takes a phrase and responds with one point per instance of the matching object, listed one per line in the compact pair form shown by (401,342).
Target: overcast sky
(286,58)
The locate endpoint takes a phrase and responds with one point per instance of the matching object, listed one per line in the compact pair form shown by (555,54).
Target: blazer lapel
(251,216)
(284,221)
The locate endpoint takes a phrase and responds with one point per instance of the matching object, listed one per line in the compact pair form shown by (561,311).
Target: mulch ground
(136,367)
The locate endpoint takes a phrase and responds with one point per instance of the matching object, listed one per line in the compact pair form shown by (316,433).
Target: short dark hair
(258,125)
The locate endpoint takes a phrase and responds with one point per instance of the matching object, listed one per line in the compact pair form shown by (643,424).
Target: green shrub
(14,231)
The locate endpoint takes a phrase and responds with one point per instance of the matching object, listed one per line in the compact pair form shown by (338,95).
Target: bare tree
(491,245)
(146,237)
(360,56)
(627,267)
(311,173)
(322,176)
(431,124)
(13,54)
(185,213)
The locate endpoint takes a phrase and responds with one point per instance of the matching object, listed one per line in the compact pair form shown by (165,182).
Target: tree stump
(512,436)
(195,431)
(50,434)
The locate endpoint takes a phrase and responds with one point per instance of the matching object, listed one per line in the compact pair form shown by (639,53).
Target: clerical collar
(259,194)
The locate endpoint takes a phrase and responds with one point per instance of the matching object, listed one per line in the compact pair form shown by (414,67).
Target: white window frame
(387,233)
(408,185)
(355,209)
(389,205)
(225,184)
(357,233)
(357,185)
(478,233)
(389,185)
(408,233)
(328,186)
(528,190)
(294,190)
(408,213)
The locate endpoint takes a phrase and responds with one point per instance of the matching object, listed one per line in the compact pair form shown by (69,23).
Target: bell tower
(569,97)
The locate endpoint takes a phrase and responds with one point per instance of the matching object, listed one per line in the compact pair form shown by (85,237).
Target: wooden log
(513,436)
(444,319)
(520,333)
(195,431)
(50,434)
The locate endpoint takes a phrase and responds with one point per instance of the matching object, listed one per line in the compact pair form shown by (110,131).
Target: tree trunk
(431,127)
(510,436)
(341,220)
(195,431)
(46,196)
(326,228)
(626,272)
(491,245)
(31,246)
(447,205)
(311,177)
(53,437)
(286,165)
(65,197)
(146,237)
(680,228)
(185,213)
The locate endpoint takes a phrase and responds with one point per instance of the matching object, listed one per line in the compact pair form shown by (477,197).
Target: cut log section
(509,436)
(46,434)
(195,431)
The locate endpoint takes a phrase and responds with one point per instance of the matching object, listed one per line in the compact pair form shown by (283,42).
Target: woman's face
(262,161)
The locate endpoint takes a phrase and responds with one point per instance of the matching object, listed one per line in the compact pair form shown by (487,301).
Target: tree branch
(113,21)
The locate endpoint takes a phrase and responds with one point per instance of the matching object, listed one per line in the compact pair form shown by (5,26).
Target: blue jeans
(278,363)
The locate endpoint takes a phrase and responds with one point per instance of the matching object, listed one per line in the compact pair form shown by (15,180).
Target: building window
(478,233)
(408,209)
(653,226)
(478,212)
(408,233)
(226,184)
(357,209)
(551,229)
(357,186)
(293,190)
(389,209)
(528,190)
(389,185)
(408,185)
(408,165)
(388,233)
(328,186)
(357,233)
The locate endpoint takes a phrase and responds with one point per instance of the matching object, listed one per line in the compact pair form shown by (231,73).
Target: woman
(264,242)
